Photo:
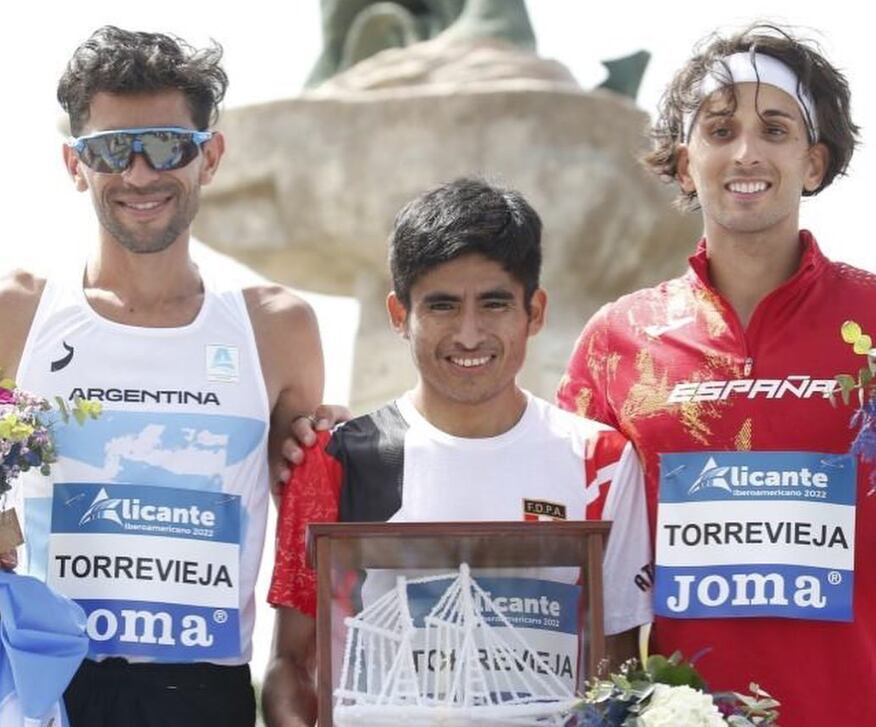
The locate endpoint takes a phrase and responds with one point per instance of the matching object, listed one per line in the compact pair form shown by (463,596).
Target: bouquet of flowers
(863,384)
(668,693)
(26,430)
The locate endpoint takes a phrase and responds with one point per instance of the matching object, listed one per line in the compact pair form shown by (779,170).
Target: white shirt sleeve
(626,583)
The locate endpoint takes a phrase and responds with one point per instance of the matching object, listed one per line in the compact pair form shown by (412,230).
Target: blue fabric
(42,643)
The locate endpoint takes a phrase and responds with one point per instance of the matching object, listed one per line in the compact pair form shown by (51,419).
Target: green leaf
(600,692)
(85,409)
(62,409)
(656,662)
(846,384)
(621,681)
(675,672)
(737,720)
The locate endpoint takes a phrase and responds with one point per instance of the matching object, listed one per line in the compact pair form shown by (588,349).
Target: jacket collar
(812,261)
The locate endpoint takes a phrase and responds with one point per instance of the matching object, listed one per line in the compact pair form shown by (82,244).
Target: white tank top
(154,517)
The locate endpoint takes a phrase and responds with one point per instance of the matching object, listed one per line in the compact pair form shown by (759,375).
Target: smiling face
(143,210)
(750,164)
(468,326)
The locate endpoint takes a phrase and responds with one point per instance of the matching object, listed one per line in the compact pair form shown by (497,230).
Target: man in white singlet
(154,518)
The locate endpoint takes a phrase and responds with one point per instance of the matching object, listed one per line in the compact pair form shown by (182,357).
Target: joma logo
(149,627)
(746,589)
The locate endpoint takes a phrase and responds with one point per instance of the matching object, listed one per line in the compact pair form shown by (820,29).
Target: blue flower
(864,443)
(12,457)
(610,713)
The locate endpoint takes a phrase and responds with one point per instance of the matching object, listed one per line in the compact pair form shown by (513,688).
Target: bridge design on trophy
(486,675)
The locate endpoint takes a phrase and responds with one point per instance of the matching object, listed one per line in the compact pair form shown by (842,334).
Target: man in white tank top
(154,518)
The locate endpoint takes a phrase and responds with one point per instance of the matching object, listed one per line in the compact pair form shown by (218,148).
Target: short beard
(159,240)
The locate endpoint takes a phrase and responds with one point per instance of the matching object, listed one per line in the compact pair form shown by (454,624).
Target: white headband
(761,68)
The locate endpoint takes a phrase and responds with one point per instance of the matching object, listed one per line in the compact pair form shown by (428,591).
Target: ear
(537,311)
(212,151)
(74,168)
(398,314)
(818,157)
(682,170)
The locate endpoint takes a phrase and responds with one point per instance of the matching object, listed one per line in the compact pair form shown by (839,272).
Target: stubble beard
(147,242)
(748,223)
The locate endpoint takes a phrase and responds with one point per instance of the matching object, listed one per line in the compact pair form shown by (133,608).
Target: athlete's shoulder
(20,286)
(20,293)
(583,432)
(852,277)
(287,337)
(272,304)
(637,310)
(664,290)
(384,424)
(845,292)
(385,416)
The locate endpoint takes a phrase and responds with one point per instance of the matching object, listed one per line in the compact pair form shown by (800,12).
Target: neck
(155,289)
(475,420)
(745,267)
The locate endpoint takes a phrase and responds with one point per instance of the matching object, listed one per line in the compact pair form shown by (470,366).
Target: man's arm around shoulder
(289,348)
(19,297)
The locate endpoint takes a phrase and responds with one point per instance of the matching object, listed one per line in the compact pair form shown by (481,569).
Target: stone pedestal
(310,186)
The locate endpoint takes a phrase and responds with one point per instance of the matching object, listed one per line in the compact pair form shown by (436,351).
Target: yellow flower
(13,429)
(90,408)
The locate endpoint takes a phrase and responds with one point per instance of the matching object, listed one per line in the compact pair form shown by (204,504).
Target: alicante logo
(712,476)
(737,477)
(104,507)
(133,514)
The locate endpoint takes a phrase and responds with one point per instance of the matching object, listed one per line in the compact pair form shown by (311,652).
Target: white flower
(681,707)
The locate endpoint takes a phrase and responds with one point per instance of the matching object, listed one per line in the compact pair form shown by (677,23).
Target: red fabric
(626,365)
(311,495)
(603,453)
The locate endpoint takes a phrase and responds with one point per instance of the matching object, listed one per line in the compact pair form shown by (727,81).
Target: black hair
(120,61)
(462,217)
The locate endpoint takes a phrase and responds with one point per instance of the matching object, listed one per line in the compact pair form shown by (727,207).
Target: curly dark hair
(465,216)
(120,61)
(827,86)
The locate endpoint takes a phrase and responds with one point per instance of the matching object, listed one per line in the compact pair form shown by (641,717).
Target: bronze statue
(354,30)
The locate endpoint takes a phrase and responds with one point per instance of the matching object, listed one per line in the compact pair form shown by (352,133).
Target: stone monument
(310,185)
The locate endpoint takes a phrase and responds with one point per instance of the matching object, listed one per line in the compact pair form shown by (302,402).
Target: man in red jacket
(721,378)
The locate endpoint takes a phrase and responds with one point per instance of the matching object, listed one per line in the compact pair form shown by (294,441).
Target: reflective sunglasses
(163,147)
